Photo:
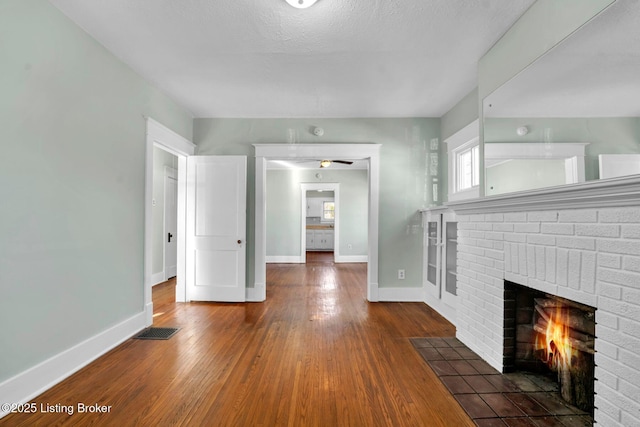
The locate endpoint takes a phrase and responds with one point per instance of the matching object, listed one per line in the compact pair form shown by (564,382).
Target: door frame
(169,173)
(160,136)
(328,186)
(264,152)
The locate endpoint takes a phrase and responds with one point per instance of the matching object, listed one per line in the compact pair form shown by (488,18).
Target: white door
(216,227)
(170,223)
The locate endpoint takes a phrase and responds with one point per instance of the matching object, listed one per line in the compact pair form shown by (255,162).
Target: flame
(556,342)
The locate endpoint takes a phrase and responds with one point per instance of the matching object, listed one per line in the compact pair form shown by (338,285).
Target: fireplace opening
(551,337)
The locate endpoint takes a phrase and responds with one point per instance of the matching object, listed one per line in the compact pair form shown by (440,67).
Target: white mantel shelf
(615,192)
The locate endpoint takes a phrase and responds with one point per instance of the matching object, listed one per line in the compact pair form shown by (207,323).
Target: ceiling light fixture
(325,163)
(301,4)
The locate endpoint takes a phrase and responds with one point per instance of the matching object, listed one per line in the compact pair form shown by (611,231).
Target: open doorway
(164,215)
(161,137)
(369,153)
(320,220)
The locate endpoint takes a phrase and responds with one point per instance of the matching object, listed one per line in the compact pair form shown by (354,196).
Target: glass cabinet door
(450,262)
(433,254)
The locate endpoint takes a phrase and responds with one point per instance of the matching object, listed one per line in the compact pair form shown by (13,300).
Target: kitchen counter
(320,227)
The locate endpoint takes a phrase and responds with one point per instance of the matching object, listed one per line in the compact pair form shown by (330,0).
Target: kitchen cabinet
(314,207)
(320,239)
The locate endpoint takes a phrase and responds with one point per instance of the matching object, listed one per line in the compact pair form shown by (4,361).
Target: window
(328,211)
(468,168)
(463,153)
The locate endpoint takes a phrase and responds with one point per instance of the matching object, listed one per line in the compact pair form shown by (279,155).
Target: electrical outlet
(401,274)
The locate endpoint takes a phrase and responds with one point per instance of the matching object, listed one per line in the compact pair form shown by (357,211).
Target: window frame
(464,140)
(324,218)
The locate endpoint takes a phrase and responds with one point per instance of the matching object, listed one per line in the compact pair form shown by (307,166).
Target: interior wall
(161,159)
(284,216)
(404,183)
(605,135)
(524,174)
(464,112)
(73,132)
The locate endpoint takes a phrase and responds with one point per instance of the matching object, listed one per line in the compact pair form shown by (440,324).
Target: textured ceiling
(339,58)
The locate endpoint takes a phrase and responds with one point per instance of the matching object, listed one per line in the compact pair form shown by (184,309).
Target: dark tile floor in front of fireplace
(494,399)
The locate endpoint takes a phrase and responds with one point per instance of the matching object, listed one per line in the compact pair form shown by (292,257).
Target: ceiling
(593,73)
(266,59)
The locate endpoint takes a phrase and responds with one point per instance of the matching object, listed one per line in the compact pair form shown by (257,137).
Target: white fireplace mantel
(580,242)
(614,192)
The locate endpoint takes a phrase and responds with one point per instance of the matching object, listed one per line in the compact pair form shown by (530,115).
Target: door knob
(169,237)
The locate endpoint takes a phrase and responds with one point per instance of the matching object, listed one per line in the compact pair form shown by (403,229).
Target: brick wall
(588,255)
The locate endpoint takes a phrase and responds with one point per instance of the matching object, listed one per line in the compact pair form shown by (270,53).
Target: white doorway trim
(264,152)
(325,186)
(166,139)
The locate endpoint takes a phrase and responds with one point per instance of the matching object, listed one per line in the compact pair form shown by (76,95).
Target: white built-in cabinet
(440,263)
(314,207)
(320,240)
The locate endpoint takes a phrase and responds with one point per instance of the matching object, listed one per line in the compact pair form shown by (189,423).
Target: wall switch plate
(401,274)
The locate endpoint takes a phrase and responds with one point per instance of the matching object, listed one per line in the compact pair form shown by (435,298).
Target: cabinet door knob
(239,241)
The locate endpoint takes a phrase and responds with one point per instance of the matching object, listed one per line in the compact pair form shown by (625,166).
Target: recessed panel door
(216,228)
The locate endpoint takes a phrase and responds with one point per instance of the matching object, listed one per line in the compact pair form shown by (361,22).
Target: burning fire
(556,342)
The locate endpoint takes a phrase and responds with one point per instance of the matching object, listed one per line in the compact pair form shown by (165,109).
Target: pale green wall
(520,175)
(614,135)
(462,114)
(283,209)
(403,178)
(72,215)
(161,159)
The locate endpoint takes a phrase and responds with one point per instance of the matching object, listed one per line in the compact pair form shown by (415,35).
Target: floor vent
(156,333)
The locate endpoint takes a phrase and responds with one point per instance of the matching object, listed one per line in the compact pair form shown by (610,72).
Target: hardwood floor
(316,353)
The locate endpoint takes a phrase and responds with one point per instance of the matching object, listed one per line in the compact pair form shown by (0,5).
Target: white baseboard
(443,309)
(255,294)
(277,259)
(148,314)
(34,381)
(351,258)
(401,294)
(157,278)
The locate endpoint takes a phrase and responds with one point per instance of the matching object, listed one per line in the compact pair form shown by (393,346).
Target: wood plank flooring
(316,353)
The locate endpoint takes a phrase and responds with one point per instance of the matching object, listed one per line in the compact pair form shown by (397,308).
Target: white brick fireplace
(580,242)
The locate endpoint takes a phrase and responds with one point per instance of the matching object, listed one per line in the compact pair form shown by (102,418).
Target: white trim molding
(572,153)
(283,259)
(611,192)
(464,139)
(370,152)
(32,382)
(405,294)
(166,139)
(346,259)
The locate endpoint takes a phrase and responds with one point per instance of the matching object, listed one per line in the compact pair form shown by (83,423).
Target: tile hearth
(494,399)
